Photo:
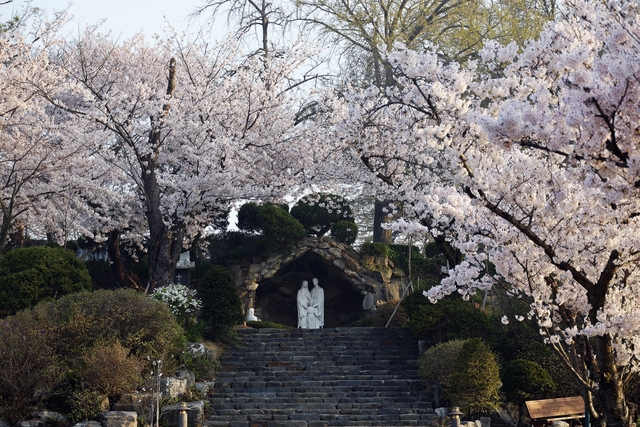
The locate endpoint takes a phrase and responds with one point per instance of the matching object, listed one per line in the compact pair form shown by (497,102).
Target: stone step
(320,378)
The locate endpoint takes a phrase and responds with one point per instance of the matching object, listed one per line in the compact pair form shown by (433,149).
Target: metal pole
(183,418)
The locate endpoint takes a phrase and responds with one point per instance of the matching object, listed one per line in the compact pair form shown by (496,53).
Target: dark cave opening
(276,296)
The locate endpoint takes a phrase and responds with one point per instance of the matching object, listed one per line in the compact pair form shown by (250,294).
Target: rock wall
(353,282)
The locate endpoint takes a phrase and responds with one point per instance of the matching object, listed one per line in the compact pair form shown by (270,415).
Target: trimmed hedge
(344,232)
(221,305)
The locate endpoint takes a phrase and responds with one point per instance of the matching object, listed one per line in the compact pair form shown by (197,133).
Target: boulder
(87,424)
(196,349)
(50,416)
(195,413)
(173,388)
(31,423)
(205,386)
(118,419)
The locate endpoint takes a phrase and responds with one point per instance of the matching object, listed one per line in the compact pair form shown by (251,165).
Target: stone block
(118,419)
(136,402)
(195,413)
(172,388)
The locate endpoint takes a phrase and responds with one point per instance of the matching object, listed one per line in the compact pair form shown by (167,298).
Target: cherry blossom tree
(527,161)
(37,160)
(183,128)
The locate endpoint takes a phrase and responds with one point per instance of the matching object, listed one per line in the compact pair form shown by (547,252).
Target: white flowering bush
(181,300)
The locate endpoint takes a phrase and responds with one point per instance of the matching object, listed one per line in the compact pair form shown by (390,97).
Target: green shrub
(276,229)
(221,305)
(83,346)
(421,266)
(381,316)
(31,275)
(450,318)
(344,232)
(202,366)
(525,380)
(436,367)
(85,404)
(29,364)
(263,324)
(475,380)
(521,340)
(318,212)
(374,249)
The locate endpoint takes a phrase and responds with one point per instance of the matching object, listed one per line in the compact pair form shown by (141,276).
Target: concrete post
(455,416)
(183,418)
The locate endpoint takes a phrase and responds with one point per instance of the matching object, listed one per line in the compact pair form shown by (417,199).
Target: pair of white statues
(311,306)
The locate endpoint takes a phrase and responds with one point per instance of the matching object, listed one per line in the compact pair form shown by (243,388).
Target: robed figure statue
(316,320)
(304,305)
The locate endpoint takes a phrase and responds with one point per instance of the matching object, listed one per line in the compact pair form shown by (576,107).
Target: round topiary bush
(317,212)
(436,367)
(344,232)
(475,380)
(277,230)
(221,305)
(31,275)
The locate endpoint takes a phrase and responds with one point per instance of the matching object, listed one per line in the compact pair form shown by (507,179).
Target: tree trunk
(381,235)
(4,232)
(165,246)
(165,243)
(616,411)
(602,365)
(125,277)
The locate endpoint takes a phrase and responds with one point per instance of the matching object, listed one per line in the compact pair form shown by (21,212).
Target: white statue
(317,304)
(304,305)
(251,317)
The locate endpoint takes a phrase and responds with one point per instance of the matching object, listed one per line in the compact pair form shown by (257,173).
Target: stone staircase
(320,378)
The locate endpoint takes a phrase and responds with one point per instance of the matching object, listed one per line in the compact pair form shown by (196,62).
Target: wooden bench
(545,412)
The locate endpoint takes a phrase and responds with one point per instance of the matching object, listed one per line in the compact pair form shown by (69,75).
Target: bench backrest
(563,408)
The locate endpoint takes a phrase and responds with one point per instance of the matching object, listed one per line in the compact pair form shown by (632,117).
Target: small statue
(317,304)
(304,305)
(251,317)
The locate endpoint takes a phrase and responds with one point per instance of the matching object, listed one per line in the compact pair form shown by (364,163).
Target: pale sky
(124,17)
